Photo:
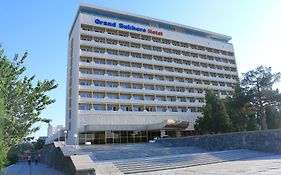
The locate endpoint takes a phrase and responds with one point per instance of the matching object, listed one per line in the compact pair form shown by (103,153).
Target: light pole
(75,137)
(65,132)
(58,135)
(53,137)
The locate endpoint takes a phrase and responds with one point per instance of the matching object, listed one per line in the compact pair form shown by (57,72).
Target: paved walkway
(25,169)
(268,165)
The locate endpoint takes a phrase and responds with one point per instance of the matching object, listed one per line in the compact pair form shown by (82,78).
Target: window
(85,72)
(97,95)
(160,109)
(137,97)
(137,108)
(112,73)
(125,85)
(109,62)
(150,77)
(112,108)
(124,96)
(149,98)
(112,85)
(112,96)
(147,87)
(97,72)
(123,74)
(136,65)
(84,107)
(161,98)
(99,84)
(125,108)
(84,95)
(159,88)
(99,107)
(181,110)
(97,61)
(84,83)
(137,86)
(124,64)
(148,67)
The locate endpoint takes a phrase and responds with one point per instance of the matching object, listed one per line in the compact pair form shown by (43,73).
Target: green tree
(215,118)
(273,119)
(258,84)
(39,144)
(239,110)
(252,123)
(3,146)
(23,99)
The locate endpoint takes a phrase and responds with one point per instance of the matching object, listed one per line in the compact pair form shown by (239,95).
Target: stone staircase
(139,151)
(141,165)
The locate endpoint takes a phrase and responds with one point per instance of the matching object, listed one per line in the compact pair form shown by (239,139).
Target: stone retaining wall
(266,141)
(54,158)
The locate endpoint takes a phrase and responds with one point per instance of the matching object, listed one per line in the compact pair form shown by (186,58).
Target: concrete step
(82,162)
(181,161)
(144,153)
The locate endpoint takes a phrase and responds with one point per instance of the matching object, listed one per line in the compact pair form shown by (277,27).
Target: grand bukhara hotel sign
(128,27)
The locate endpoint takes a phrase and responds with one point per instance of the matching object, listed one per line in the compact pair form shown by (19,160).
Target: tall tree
(239,109)
(23,99)
(258,84)
(215,118)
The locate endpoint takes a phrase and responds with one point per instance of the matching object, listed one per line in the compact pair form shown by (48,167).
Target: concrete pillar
(178,133)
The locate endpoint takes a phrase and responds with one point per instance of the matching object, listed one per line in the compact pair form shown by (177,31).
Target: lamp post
(65,132)
(53,137)
(58,135)
(75,137)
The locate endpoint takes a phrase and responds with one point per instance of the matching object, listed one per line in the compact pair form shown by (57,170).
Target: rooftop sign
(128,27)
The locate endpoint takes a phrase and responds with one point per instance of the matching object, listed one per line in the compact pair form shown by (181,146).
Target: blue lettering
(97,21)
(121,25)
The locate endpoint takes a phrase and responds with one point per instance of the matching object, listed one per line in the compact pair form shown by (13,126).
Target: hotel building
(131,78)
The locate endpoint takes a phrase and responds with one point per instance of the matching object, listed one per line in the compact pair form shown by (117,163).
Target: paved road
(25,169)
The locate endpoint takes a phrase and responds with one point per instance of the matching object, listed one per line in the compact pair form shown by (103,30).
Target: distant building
(131,78)
(53,133)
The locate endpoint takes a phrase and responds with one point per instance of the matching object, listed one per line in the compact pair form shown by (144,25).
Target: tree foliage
(23,99)
(258,85)
(215,118)
(253,106)
(3,146)
(273,117)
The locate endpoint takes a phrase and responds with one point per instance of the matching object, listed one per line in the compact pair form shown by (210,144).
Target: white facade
(126,71)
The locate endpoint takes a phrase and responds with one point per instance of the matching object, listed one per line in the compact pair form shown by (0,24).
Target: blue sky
(42,28)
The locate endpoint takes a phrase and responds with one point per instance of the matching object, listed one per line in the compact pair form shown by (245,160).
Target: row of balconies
(150,73)
(126,96)
(168,81)
(90,57)
(148,46)
(137,107)
(159,43)
(114,82)
(191,94)
(139,53)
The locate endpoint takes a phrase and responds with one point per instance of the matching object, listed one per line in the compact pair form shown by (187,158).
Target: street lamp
(65,132)
(58,135)
(75,137)
(53,137)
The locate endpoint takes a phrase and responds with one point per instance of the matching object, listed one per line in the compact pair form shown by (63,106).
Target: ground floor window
(109,137)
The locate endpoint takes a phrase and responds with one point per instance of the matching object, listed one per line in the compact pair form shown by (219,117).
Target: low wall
(54,158)
(266,141)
